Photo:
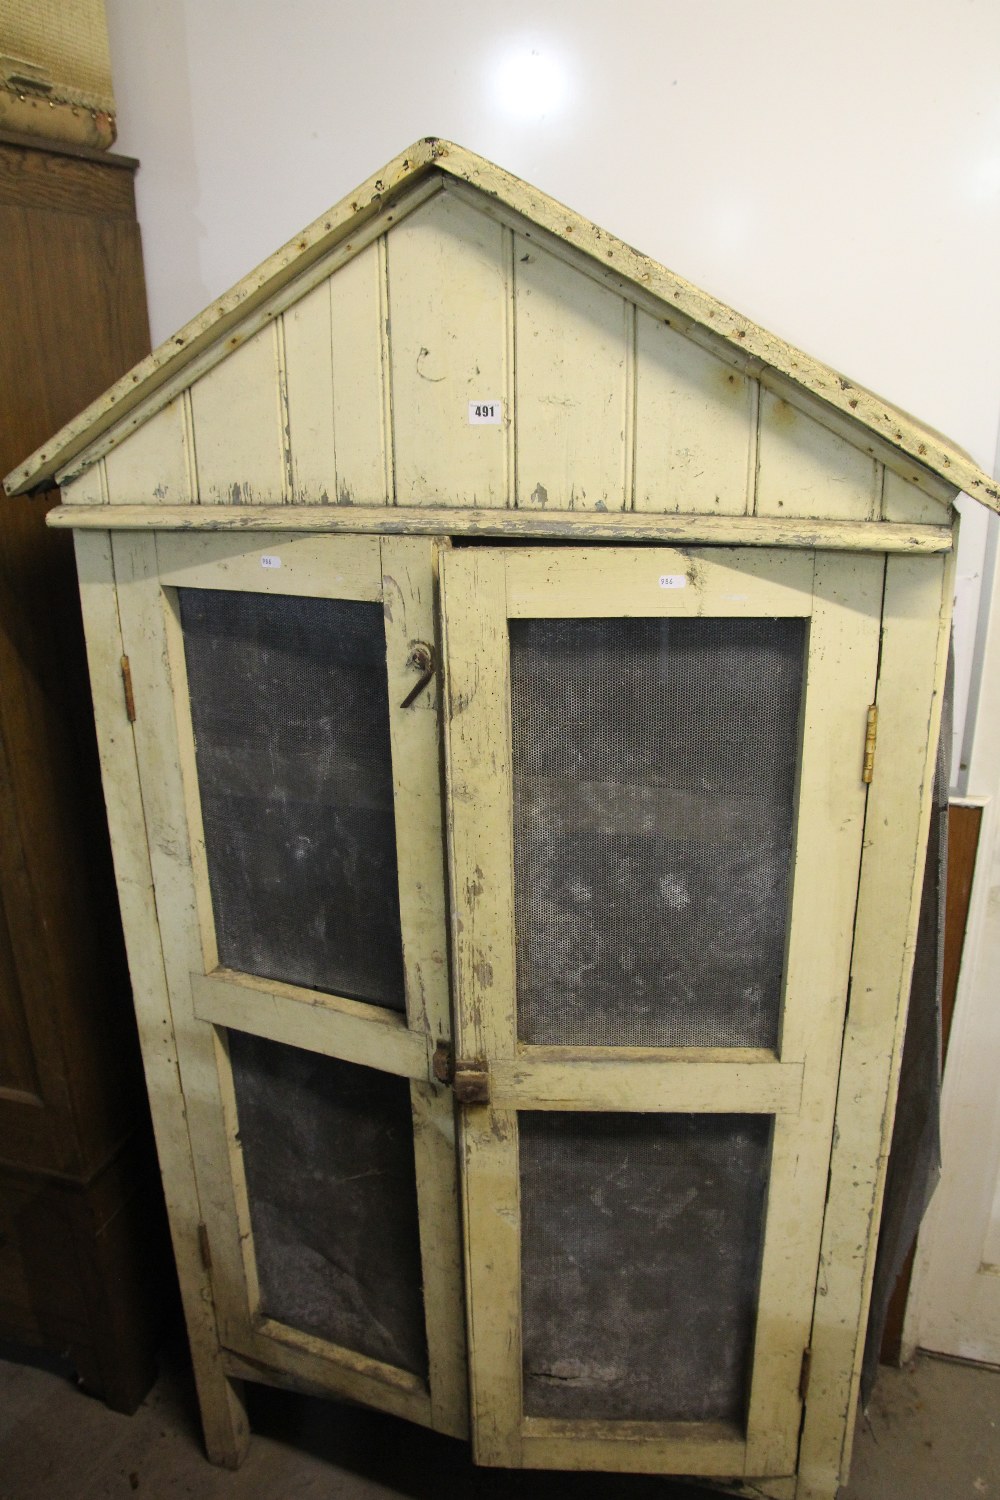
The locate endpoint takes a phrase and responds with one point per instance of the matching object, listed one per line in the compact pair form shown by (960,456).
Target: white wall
(832,170)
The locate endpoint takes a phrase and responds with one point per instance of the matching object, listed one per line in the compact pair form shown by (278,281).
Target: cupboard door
(291,786)
(656,810)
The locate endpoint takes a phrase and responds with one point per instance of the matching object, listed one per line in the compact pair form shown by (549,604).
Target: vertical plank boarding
(447,316)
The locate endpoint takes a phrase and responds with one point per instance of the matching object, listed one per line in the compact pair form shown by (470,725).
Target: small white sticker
(485,413)
(673,581)
(270,560)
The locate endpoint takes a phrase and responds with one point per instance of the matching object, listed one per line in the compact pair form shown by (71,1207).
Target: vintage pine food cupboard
(489,633)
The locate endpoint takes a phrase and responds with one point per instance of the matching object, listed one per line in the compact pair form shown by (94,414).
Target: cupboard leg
(223,1417)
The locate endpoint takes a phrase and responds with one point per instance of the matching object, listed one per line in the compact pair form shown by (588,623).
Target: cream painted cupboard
(518,680)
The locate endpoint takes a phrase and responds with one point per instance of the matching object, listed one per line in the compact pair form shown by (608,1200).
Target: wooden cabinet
(78,1182)
(520,861)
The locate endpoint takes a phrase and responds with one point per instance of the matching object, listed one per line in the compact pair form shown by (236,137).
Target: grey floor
(931,1434)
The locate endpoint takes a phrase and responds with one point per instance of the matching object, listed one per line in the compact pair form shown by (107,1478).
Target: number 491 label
(485,413)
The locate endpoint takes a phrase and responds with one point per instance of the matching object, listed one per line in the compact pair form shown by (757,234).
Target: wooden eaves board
(863,412)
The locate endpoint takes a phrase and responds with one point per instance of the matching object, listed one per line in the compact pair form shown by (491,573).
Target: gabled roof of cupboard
(114,415)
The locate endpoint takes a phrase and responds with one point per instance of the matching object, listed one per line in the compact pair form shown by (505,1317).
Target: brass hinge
(870,734)
(204,1247)
(127,685)
(806,1367)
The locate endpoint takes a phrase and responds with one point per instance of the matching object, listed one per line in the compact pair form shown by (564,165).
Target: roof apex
(765,351)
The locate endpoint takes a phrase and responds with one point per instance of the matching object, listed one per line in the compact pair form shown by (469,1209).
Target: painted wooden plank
(154,466)
(276,563)
(840,684)
(646,1083)
(447,315)
(693,425)
(743,531)
(570,386)
(435,1157)
(223,1416)
(152,641)
(492,1218)
(89,489)
(237,1170)
(586,582)
(309,382)
(477,751)
(479,777)
(339,1371)
(715,1452)
(331,1024)
(409,570)
(910,690)
(239,421)
(360,381)
(187,762)
(904,502)
(805,470)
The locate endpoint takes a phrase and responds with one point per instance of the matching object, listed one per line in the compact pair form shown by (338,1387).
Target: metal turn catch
(421,658)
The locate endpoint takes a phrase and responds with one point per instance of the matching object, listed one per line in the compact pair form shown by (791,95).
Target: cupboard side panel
(223,1416)
(152,653)
(910,691)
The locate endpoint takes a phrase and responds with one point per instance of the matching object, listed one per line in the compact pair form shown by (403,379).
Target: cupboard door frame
(205,999)
(482,589)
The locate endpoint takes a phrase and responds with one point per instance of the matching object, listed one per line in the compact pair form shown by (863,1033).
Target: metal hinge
(870,735)
(127,685)
(204,1247)
(806,1367)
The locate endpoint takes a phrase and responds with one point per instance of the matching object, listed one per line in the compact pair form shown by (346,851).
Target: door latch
(469,1079)
(421,658)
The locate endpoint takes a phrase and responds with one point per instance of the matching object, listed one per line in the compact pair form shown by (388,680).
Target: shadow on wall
(156,42)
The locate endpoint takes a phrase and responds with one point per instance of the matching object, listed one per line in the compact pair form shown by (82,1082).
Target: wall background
(833,171)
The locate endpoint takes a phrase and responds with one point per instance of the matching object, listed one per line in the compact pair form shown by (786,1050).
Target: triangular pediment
(347,369)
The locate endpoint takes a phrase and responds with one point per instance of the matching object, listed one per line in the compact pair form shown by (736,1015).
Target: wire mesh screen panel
(289,704)
(328,1155)
(640,1259)
(654,788)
